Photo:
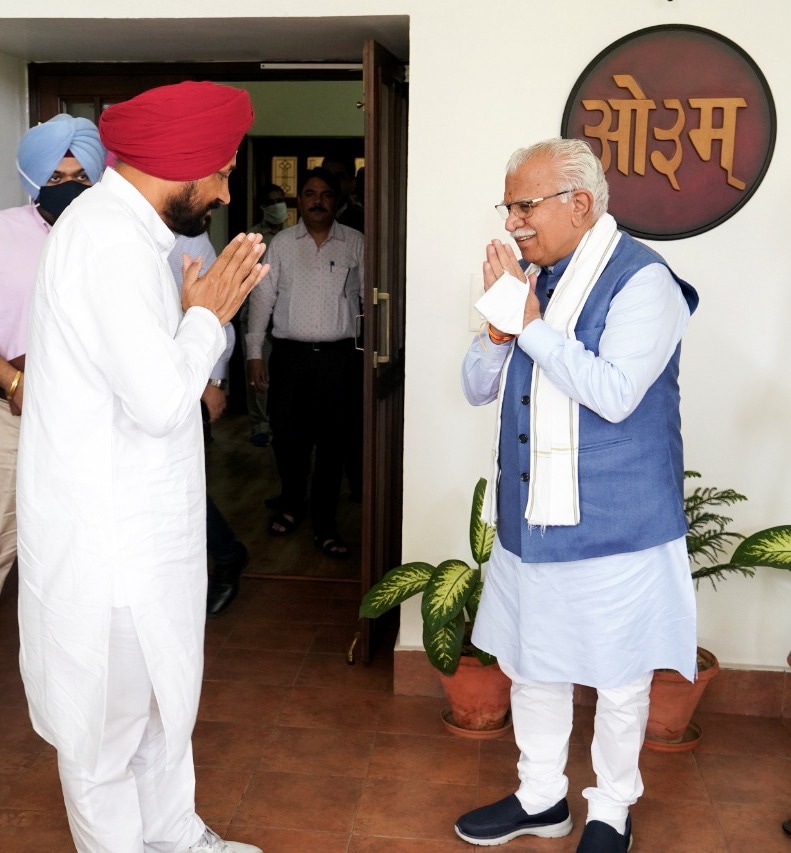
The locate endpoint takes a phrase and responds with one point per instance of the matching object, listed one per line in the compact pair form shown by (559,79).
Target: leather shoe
(600,837)
(224,582)
(506,819)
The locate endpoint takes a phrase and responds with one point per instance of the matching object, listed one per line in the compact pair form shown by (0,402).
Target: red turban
(182,132)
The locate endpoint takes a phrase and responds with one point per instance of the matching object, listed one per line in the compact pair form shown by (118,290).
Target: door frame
(50,84)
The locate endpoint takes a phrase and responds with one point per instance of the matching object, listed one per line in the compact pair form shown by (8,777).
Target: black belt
(313,346)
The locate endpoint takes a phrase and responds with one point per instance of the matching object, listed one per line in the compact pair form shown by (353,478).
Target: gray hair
(578,168)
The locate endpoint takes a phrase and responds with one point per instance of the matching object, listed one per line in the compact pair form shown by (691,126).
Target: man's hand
(532,305)
(500,258)
(228,280)
(256,374)
(215,401)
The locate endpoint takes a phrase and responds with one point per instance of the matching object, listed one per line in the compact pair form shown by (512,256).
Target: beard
(184,216)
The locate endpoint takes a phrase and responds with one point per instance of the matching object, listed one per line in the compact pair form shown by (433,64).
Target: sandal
(332,546)
(282,524)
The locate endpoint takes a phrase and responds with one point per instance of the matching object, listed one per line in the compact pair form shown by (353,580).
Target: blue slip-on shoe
(600,837)
(506,819)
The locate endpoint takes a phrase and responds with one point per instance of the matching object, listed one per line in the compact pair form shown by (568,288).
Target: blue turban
(45,145)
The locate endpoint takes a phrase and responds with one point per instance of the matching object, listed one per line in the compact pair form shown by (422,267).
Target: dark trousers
(354,438)
(312,407)
(220,539)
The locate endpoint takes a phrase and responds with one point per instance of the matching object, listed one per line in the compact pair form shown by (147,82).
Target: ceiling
(331,40)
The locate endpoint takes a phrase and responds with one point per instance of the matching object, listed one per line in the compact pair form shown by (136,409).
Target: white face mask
(275,214)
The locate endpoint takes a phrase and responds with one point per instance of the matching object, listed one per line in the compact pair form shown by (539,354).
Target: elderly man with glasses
(589,579)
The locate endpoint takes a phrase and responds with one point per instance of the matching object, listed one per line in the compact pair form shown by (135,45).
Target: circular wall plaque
(684,123)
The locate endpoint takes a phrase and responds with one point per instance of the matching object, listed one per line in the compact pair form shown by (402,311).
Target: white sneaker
(210,842)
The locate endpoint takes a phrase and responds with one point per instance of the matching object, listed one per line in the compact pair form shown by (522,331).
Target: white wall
(13,110)
(485,80)
(511,78)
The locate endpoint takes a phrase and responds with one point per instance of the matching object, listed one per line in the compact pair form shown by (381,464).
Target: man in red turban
(111,490)
(179,133)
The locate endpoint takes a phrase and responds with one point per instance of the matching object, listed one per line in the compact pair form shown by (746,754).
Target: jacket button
(526,400)
(524,476)
(523,438)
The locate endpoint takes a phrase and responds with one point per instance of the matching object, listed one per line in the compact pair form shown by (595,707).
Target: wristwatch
(218,383)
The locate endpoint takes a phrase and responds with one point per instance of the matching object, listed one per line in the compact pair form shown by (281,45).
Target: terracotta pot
(673,701)
(479,696)
(474,734)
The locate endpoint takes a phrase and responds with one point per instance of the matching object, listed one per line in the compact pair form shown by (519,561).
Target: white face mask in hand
(503,304)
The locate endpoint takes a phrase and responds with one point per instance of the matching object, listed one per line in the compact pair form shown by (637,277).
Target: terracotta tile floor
(299,752)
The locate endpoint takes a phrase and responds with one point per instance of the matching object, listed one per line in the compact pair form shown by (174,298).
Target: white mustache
(523,232)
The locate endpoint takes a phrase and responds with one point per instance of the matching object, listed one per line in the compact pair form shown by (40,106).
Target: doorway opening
(385,99)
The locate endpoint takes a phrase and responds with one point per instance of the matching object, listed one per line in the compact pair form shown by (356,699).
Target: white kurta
(111,487)
(602,622)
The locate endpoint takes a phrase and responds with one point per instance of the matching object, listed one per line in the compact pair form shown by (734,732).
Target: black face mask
(54,200)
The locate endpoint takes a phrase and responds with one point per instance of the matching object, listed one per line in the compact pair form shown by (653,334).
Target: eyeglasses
(525,207)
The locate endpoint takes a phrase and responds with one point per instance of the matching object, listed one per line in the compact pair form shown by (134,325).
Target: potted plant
(673,698)
(451,592)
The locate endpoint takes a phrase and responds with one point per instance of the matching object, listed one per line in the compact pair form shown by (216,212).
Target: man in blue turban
(45,145)
(56,161)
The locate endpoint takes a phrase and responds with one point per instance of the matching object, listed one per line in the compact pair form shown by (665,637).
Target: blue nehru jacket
(631,474)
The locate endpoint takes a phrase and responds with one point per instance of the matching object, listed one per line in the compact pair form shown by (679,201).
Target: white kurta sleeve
(481,369)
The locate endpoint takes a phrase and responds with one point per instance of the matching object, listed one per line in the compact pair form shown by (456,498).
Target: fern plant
(451,592)
(708,537)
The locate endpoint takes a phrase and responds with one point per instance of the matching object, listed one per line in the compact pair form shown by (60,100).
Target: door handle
(358,321)
(383,299)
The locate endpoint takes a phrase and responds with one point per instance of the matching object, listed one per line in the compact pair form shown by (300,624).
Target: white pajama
(542,715)
(619,730)
(131,803)
(602,622)
(542,718)
(605,622)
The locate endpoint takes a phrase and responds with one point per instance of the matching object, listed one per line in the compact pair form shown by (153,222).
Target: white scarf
(553,496)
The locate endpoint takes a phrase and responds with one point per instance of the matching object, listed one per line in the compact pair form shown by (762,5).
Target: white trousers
(9,443)
(542,717)
(130,803)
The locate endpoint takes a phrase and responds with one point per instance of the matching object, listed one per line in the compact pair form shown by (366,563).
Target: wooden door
(385,96)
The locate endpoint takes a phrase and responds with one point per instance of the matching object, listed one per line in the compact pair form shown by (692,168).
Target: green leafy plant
(451,593)
(708,537)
